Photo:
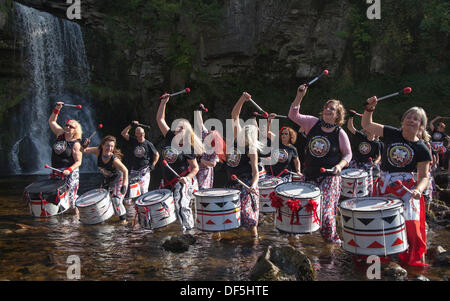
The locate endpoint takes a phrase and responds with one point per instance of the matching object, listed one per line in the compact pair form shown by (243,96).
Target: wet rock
(435,251)
(283,264)
(48,260)
(179,244)
(442,259)
(24,271)
(395,272)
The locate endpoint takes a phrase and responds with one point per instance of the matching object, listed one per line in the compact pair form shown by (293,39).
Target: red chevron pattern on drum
(375,245)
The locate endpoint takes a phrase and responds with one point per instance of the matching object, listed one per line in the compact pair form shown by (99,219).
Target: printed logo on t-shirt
(170,154)
(319,146)
(282,155)
(60,147)
(139,152)
(234,158)
(437,136)
(364,148)
(105,172)
(400,155)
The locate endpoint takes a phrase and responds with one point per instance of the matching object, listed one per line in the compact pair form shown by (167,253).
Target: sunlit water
(38,248)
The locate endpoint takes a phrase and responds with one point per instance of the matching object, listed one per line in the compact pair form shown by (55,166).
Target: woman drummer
(366,152)
(329,148)
(286,156)
(242,161)
(115,174)
(404,155)
(66,152)
(181,146)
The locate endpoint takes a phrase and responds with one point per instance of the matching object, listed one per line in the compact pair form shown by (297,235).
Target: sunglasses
(284,134)
(70,126)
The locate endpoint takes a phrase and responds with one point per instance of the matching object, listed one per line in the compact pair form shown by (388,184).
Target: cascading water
(54,59)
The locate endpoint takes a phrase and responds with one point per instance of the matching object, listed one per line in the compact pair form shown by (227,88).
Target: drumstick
(235,178)
(324,72)
(203,108)
(323,170)
(282,172)
(187,90)
(143,125)
(406,90)
(265,114)
(55,169)
(92,135)
(398,182)
(170,168)
(73,106)
(276,115)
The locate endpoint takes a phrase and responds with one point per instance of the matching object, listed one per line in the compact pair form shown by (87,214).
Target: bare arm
(433,121)
(422,176)
(297,165)
(161,115)
(77,156)
(366,121)
(237,111)
(125,131)
(350,126)
(119,165)
(254,165)
(155,159)
(91,150)
(54,126)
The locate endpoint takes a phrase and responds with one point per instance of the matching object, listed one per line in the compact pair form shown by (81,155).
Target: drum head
(91,197)
(153,197)
(212,192)
(48,185)
(269,182)
(353,173)
(370,204)
(297,190)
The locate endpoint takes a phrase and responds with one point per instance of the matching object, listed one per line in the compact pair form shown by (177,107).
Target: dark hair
(116,151)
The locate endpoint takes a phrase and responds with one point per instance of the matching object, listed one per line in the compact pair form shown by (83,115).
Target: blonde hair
(251,138)
(423,116)
(78,129)
(195,141)
(340,111)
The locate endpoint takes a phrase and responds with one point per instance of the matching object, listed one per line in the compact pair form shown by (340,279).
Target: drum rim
(362,175)
(231,192)
(168,193)
(102,190)
(62,183)
(317,190)
(270,178)
(396,206)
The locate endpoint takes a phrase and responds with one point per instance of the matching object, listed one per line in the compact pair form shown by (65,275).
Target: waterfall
(55,62)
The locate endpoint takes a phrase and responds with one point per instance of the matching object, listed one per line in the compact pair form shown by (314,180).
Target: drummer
(242,161)
(286,154)
(329,148)
(66,152)
(366,146)
(208,160)
(181,146)
(439,139)
(404,154)
(115,174)
(144,155)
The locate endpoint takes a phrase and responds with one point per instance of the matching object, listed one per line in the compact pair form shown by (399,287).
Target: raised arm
(161,115)
(54,126)
(125,131)
(366,120)
(350,126)
(433,121)
(304,121)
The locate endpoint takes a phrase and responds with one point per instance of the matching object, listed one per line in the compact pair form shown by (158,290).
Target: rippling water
(38,248)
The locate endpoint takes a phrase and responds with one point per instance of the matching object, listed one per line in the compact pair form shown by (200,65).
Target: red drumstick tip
(100,126)
(233,177)
(370,159)
(79,106)
(266,115)
(46,166)
(398,182)
(187,90)
(322,170)
(164,162)
(407,90)
(325,72)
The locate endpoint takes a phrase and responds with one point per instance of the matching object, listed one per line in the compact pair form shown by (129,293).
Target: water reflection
(37,249)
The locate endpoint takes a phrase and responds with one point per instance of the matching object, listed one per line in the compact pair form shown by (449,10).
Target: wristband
(56,111)
(69,169)
(370,110)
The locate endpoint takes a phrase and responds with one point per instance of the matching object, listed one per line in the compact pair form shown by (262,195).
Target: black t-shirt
(62,152)
(141,153)
(437,136)
(109,172)
(322,151)
(365,149)
(238,163)
(176,157)
(401,155)
(284,156)
(301,145)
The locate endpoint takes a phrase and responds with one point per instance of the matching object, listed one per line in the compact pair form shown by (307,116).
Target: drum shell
(98,211)
(264,196)
(54,200)
(158,213)
(215,212)
(307,222)
(379,232)
(134,189)
(357,184)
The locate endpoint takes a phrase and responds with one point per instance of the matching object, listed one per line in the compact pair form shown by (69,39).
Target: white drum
(156,209)
(373,226)
(298,207)
(355,183)
(95,206)
(295,178)
(266,187)
(218,209)
(134,189)
(47,198)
